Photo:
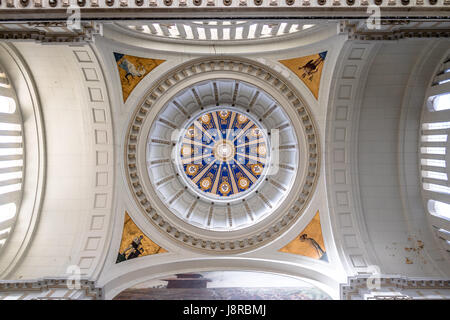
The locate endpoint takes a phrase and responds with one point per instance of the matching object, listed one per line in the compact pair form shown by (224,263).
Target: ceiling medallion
(222,154)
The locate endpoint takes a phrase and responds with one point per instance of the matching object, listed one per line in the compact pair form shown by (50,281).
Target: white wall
(68,169)
(395,222)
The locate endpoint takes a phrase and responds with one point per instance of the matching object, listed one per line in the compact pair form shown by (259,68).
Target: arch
(33,165)
(144,272)
(434,153)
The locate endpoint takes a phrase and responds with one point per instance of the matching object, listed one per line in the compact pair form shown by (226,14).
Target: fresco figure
(309,242)
(311,67)
(308,69)
(135,243)
(136,250)
(131,69)
(320,252)
(135,253)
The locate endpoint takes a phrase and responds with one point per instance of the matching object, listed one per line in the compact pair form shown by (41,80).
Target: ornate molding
(56,32)
(183,73)
(356,287)
(93,241)
(50,289)
(393,30)
(60,32)
(341,6)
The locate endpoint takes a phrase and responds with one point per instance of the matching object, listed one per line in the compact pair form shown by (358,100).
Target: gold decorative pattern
(308,69)
(309,242)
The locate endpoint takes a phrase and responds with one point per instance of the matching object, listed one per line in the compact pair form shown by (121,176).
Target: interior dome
(221,175)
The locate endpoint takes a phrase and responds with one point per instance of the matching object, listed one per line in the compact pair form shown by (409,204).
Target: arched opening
(434,154)
(224,285)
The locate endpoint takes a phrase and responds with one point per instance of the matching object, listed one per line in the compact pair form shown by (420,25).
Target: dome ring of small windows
(218,30)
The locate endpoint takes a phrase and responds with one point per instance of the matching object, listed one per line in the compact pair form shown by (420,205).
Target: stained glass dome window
(223,153)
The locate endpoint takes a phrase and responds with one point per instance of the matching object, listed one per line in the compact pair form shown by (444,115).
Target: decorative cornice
(116,9)
(60,32)
(313,4)
(44,287)
(355,284)
(403,31)
(49,32)
(209,65)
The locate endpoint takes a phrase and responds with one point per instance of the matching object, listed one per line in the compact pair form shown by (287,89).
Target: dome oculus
(223,154)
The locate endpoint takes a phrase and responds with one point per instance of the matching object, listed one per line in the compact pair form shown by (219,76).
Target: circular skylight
(222,154)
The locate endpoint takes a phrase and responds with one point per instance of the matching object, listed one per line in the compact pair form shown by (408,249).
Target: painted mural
(132,70)
(224,285)
(223,153)
(309,242)
(135,243)
(308,69)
